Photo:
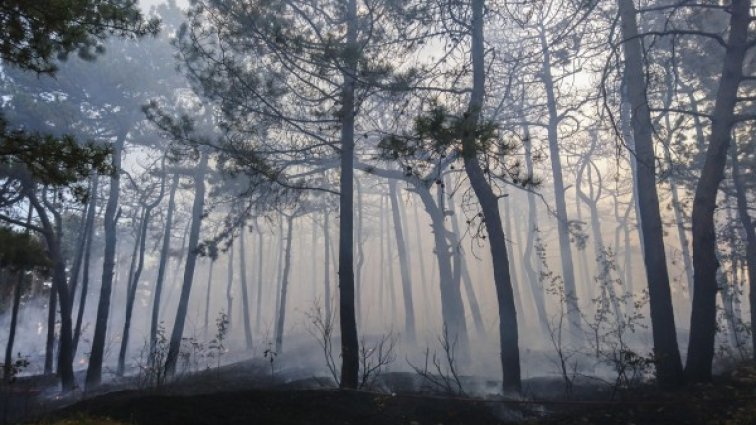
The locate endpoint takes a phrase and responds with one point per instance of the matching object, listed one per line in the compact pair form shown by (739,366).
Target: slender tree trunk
(452,307)
(96,356)
(191,260)
(207,296)
(666,352)
(462,274)
(280,320)
(349,341)
(705,263)
(59,285)
(129,302)
(52,307)
(750,231)
(85,273)
(164,253)
(327,264)
(244,289)
(409,308)
(260,250)
(508,333)
(8,365)
(229,287)
(565,249)
(360,253)
(73,279)
(532,229)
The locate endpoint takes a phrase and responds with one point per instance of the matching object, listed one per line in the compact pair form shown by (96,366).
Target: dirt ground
(730,400)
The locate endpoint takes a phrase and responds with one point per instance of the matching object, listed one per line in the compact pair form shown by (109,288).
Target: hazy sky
(147,4)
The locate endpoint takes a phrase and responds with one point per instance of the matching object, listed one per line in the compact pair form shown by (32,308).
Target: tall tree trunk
(130,289)
(260,250)
(73,279)
(532,229)
(133,283)
(85,273)
(565,249)
(508,333)
(59,285)
(164,253)
(97,353)
(666,352)
(349,342)
(17,290)
(409,308)
(244,289)
(191,260)
(705,263)
(460,272)
(452,307)
(360,252)
(280,320)
(207,296)
(229,287)
(327,264)
(750,231)
(52,311)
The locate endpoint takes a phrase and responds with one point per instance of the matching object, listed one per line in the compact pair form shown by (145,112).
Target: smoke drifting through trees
(398,175)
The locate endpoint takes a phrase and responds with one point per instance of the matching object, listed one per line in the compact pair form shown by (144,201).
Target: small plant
(216,346)
(151,361)
(443,376)
(374,359)
(322,330)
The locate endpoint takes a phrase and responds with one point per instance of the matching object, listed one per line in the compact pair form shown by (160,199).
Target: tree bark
(85,272)
(409,308)
(565,248)
(280,320)
(348,324)
(244,289)
(8,365)
(96,356)
(750,231)
(705,263)
(174,345)
(666,352)
(508,333)
(164,252)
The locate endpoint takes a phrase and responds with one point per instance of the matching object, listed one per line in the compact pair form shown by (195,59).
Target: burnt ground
(730,400)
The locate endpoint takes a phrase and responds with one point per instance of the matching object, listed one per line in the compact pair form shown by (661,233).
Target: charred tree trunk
(229,287)
(705,263)
(327,264)
(207,296)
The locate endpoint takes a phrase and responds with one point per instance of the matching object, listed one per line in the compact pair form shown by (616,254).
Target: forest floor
(729,400)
